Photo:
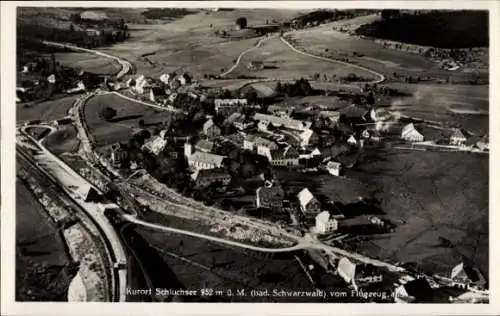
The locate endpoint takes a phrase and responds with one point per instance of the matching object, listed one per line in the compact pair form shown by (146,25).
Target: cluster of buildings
(166,89)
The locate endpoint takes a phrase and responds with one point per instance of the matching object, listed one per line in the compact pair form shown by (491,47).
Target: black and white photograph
(230,154)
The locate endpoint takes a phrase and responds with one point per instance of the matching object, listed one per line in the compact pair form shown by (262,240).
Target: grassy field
(291,65)
(200,264)
(63,140)
(124,124)
(88,62)
(437,194)
(45,111)
(190,43)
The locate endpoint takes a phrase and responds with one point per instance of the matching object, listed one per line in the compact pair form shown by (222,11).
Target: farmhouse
(277,121)
(270,198)
(457,138)
(210,129)
(286,156)
(468,276)
(334,168)
(308,203)
(352,141)
(255,65)
(410,133)
(206,177)
(325,223)
(358,274)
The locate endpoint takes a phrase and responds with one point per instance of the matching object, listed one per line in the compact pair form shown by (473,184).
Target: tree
(71,27)
(107,113)
(241,22)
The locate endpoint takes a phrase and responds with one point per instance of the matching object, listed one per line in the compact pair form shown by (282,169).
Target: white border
(10,307)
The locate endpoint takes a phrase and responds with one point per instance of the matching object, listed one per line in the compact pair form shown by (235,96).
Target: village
(294,155)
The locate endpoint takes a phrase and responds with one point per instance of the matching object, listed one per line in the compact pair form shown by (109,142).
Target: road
(73,185)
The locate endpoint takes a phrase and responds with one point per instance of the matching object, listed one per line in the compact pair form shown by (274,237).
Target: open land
(46,111)
(125,123)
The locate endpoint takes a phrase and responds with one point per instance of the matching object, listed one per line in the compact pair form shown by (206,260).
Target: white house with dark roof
(410,133)
(325,223)
(467,276)
(458,137)
(308,203)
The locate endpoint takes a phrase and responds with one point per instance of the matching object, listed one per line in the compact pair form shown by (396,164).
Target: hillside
(444,29)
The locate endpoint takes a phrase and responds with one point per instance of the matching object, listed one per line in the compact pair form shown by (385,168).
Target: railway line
(64,178)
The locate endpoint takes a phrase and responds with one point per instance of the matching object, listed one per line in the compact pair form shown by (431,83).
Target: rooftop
(207,158)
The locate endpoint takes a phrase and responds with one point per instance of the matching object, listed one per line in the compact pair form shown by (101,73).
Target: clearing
(126,121)
(282,62)
(45,111)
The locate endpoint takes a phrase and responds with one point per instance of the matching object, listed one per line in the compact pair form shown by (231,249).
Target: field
(189,43)
(63,140)
(437,194)
(287,64)
(88,62)
(370,54)
(199,264)
(45,111)
(124,124)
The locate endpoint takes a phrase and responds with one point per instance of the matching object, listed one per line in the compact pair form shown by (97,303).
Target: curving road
(380,76)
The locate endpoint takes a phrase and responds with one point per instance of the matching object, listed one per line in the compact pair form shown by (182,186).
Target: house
(201,160)
(259,144)
(365,134)
(80,86)
(184,79)
(210,129)
(255,65)
(328,119)
(467,276)
(352,141)
(226,107)
(308,203)
(458,138)
(204,145)
(63,121)
(325,223)
(88,193)
(284,156)
(165,78)
(206,177)
(334,168)
(416,290)
(155,145)
(277,121)
(358,274)
(308,138)
(280,110)
(270,198)
(410,133)
(118,154)
(241,122)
